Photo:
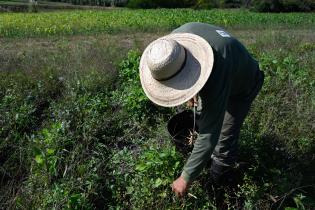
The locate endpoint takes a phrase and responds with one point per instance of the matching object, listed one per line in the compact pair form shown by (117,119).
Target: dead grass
(72,55)
(101,52)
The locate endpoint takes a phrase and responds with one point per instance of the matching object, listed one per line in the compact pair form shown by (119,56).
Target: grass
(126,21)
(41,6)
(78,133)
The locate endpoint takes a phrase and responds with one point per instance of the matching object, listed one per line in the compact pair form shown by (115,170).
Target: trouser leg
(225,154)
(226,151)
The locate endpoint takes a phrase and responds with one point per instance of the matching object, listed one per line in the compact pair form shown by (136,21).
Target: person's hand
(180,187)
(192,102)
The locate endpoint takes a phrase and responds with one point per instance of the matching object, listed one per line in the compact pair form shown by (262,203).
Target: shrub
(143,181)
(145,4)
(130,96)
(232,3)
(68,154)
(198,4)
(267,5)
(283,5)
(24,100)
(161,3)
(205,4)
(118,3)
(296,5)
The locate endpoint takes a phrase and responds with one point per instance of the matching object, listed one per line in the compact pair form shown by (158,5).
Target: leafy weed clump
(86,142)
(129,94)
(24,100)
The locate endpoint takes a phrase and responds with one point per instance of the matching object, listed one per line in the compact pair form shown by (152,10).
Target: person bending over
(203,60)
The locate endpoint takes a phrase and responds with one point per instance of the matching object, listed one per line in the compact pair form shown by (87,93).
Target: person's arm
(211,120)
(214,97)
(213,108)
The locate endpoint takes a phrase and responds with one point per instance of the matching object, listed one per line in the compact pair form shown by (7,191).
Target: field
(25,6)
(128,21)
(77,132)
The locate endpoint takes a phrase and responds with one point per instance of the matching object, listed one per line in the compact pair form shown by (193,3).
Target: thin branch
(282,198)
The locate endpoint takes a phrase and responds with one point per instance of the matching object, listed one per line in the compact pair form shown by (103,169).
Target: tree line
(258,5)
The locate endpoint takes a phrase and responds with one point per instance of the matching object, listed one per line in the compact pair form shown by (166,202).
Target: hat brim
(186,83)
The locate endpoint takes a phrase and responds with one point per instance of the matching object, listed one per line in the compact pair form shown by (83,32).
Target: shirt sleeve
(214,96)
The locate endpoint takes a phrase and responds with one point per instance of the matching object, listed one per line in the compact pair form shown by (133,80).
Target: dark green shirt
(233,75)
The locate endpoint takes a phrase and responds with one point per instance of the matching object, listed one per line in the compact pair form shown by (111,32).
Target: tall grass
(126,21)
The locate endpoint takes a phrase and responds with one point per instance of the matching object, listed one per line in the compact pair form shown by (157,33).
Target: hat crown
(165,58)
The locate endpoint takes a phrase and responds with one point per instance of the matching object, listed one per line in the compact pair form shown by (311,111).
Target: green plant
(282,5)
(268,5)
(145,4)
(147,181)
(130,95)
(45,148)
(72,137)
(123,21)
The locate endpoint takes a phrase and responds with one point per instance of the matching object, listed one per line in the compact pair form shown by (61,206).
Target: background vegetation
(257,5)
(127,21)
(77,132)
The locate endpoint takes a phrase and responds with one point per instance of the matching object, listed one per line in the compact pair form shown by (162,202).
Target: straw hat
(175,67)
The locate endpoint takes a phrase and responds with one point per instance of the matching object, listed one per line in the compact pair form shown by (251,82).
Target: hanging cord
(195,104)
(193,133)
(194,119)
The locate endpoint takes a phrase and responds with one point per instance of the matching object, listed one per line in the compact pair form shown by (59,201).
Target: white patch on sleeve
(222,33)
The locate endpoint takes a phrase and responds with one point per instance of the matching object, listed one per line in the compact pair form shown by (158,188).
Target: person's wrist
(185,177)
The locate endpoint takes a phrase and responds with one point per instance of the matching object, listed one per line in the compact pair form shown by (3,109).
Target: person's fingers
(176,193)
(192,102)
(180,195)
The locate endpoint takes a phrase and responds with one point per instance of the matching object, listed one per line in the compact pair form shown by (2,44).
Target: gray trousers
(226,151)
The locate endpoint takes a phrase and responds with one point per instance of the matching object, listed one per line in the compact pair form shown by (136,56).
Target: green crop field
(123,21)
(77,132)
